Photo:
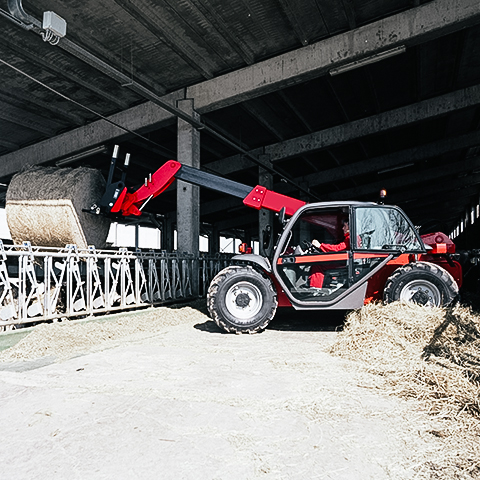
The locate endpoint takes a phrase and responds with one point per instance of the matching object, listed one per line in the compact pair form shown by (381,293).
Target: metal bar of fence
(39,284)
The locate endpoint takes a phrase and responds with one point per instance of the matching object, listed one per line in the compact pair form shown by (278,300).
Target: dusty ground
(164,394)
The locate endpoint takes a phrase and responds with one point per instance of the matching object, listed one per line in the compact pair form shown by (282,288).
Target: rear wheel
(241,300)
(422,283)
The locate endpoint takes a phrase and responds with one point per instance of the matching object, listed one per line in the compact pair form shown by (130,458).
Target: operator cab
(328,251)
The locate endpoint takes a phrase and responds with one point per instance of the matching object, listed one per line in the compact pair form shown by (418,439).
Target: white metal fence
(39,283)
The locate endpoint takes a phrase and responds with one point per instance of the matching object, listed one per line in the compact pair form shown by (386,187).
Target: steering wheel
(311,247)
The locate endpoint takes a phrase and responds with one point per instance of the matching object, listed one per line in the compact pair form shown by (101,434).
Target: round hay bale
(44,206)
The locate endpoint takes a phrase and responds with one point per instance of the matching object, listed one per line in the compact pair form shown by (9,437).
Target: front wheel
(241,300)
(422,283)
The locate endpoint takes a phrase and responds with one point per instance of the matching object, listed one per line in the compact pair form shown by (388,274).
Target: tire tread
(450,285)
(216,316)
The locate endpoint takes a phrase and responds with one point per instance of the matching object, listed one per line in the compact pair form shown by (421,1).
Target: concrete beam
(440,188)
(17,116)
(19,98)
(444,211)
(330,137)
(393,160)
(407,182)
(56,70)
(143,117)
(374,124)
(462,195)
(162,29)
(412,27)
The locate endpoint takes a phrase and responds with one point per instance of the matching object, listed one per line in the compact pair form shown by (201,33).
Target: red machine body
(371,269)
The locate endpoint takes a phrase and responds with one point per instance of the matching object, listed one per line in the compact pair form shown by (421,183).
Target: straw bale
(431,354)
(44,206)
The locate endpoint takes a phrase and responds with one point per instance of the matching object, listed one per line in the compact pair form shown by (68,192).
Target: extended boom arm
(118,201)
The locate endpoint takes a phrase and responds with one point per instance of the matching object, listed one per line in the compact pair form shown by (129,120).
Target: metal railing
(41,283)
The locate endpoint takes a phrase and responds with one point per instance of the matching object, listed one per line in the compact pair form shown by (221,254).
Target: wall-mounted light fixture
(78,156)
(377,57)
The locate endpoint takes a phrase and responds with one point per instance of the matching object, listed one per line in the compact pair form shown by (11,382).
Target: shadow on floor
(289,319)
(308,321)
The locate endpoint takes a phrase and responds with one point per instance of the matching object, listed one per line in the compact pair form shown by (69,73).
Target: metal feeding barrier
(41,283)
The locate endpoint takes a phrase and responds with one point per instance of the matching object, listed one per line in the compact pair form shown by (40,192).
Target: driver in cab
(328,247)
(317,274)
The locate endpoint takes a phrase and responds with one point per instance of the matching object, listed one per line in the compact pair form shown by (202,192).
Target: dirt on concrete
(164,394)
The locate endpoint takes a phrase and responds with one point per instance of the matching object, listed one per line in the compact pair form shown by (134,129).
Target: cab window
(385,228)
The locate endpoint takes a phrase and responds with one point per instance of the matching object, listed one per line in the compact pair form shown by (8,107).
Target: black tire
(422,283)
(241,300)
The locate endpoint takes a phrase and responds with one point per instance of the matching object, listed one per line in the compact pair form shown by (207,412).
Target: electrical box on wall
(54,23)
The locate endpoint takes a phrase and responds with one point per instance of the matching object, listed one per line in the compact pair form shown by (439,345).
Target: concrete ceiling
(262,73)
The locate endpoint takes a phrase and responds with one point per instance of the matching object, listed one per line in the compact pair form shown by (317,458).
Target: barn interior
(319,100)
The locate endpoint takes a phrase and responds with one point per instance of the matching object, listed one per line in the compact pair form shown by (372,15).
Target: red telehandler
(384,258)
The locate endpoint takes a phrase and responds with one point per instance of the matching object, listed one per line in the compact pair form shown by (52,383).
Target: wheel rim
(243,300)
(422,292)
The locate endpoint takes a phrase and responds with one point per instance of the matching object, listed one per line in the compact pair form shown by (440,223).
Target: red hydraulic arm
(259,197)
(132,203)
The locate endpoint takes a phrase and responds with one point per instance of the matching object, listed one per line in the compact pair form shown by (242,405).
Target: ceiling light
(78,156)
(368,60)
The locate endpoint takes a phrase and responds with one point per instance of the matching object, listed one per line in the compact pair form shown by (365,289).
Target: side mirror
(281,216)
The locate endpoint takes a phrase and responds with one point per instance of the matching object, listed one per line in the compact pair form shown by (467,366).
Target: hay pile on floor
(66,339)
(44,206)
(431,354)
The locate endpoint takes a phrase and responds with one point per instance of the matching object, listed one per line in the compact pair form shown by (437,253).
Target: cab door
(309,275)
(383,234)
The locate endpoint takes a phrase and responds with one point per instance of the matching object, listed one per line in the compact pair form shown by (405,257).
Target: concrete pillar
(214,241)
(137,235)
(167,241)
(265,217)
(188,196)
(303,231)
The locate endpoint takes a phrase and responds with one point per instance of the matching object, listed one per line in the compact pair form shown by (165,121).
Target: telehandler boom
(382,256)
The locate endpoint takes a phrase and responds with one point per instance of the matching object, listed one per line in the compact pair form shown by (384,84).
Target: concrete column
(188,196)
(137,235)
(214,241)
(265,217)
(167,241)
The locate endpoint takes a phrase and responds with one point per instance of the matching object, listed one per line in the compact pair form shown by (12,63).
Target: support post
(188,196)
(167,240)
(214,240)
(265,217)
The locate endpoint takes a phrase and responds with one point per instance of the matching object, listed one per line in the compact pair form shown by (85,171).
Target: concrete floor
(187,401)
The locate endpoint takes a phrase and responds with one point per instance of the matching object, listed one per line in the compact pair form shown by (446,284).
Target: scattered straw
(432,354)
(67,339)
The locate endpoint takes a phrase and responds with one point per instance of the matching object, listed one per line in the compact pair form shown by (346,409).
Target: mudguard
(262,262)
